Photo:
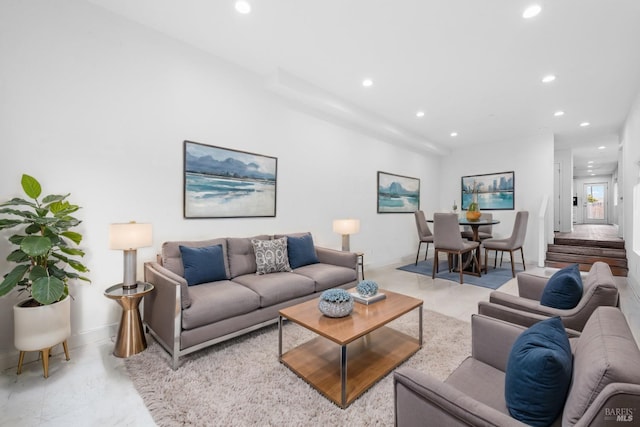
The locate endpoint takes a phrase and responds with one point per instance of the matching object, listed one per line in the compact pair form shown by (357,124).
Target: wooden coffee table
(351,353)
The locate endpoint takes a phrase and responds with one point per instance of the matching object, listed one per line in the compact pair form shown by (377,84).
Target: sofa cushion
(539,373)
(327,276)
(301,251)
(242,259)
(564,288)
(172,257)
(212,302)
(271,256)
(202,265)
(605,353)
(275,288)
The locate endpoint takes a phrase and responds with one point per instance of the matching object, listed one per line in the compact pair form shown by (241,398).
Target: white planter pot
(38,328)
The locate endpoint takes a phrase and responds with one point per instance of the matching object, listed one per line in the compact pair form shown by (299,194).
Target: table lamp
(129,237)
(346,227)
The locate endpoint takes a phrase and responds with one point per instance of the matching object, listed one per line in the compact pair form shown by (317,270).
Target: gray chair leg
(513,266)
(460,267)
(418,254)
(426,252)
(524,267)
(434,269)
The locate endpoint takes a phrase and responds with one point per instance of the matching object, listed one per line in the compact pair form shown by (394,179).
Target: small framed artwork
(397,193)
(224,183)
(493,191)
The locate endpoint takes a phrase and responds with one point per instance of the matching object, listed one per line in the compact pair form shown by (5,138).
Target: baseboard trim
(9,360)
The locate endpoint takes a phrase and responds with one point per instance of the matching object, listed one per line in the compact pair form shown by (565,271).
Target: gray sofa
(184,319)
(605,385)
(525,308)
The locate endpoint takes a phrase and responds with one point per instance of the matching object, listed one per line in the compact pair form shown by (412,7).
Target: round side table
(130,339)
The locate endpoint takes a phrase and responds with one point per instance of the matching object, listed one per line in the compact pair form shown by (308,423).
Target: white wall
(97,106)
(628,177)
(532,163)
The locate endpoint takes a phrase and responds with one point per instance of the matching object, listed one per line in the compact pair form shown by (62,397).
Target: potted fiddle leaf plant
(45,257)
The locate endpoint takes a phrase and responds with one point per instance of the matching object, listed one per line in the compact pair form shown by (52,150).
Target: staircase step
(613,244)
(589,251)
(616,271)
(584,259)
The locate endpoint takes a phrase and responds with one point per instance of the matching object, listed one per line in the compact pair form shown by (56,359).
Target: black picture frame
(495,191)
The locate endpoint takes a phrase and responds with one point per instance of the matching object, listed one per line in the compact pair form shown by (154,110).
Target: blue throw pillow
(203,265)
(564,289)
(301,251)
(539,373)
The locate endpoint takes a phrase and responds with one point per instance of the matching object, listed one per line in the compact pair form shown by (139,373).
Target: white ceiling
(473,67)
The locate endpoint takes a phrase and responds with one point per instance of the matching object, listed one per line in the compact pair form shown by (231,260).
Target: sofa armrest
(525,304)
(492,339)
(163,306)
(615,399)
(531,286)
(515,316)
(422,400)
(335,257)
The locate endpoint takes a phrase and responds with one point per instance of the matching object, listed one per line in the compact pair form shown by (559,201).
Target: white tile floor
(93,388)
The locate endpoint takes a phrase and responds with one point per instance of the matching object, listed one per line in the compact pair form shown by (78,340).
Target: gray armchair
(599,289)
(606,378)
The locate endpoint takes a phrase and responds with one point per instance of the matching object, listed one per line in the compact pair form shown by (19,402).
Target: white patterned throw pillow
(271,255)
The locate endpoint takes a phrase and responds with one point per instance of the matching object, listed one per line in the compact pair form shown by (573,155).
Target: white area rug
(241,382)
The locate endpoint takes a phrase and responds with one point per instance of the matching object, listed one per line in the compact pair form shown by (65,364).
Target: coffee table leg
(280,338)
(343,374)
(420,325)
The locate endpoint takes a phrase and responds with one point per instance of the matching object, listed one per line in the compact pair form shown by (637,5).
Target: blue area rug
(492,280)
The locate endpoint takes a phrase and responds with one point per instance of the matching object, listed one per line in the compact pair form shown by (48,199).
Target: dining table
(475,227)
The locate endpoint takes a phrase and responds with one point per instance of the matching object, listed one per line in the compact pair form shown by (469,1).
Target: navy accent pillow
(301,251)
(539,373)
(564,289)
(203,265)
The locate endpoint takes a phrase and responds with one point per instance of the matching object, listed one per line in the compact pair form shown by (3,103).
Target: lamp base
(345,243)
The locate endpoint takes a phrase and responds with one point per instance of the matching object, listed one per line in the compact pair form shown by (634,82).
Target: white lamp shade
(130,236)
(346,226)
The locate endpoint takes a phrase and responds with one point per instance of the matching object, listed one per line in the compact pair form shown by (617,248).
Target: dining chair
(447,238)
(484,231)
(510,244)
(424,234)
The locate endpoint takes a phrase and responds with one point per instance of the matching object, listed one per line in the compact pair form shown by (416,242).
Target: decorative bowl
(335,309)
(473,215)
(336,303)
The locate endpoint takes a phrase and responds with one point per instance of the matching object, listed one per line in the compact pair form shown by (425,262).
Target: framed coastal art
(224,183)
(493,191)
(397,193)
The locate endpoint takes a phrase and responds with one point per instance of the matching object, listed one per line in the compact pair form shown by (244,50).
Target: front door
(595,203)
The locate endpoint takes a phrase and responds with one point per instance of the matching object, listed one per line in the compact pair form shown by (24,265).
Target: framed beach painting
(493,191)
(224,183)
(397,193)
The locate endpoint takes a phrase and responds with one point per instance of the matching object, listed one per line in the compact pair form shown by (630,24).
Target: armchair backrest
(422,226)
(446,231)
(606,371)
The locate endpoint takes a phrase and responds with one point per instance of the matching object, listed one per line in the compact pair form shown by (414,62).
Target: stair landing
(587,244)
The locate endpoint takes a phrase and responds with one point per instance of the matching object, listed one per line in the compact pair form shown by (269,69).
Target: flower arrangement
(336,295)
(367,288)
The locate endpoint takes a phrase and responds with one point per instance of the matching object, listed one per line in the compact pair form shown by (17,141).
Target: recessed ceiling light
(548,78)
(593,174)
(584,124)
(531,11)
(558,113)
(420,114)
(454,134)
(602,147)
(590,162)
(243,7)
(367,82)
